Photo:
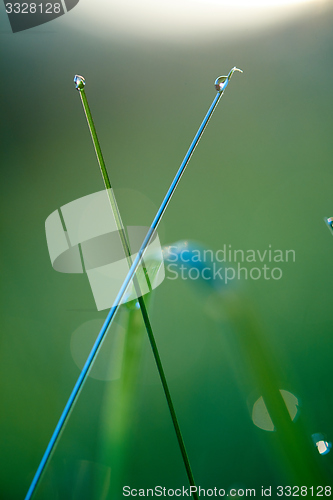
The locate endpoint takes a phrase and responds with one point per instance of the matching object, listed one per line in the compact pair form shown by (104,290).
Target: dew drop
(79,82)
(220,83)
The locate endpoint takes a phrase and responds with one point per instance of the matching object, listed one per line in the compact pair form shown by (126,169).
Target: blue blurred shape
(193,256)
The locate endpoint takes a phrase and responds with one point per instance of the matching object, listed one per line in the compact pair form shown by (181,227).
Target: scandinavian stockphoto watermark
(227,264)
(83,237)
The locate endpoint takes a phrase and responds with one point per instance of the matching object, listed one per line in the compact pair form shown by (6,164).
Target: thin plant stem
(134,267)
(141,301)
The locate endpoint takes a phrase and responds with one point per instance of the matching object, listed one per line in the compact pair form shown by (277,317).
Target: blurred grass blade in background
(294,453)
(118,405)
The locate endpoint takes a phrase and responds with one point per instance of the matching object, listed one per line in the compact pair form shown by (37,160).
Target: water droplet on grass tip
(79,82)
(220,83)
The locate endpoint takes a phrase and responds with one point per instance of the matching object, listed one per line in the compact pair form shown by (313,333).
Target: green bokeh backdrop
(261,175)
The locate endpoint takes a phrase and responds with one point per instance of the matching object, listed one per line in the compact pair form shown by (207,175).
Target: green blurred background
(261,175)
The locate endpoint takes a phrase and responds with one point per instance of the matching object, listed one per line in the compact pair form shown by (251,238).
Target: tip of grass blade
(231,72)
(79,82)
